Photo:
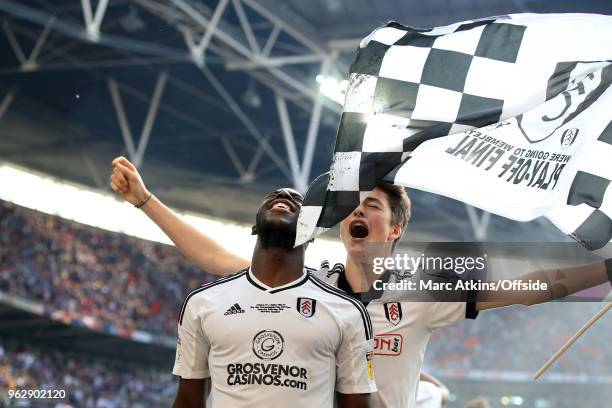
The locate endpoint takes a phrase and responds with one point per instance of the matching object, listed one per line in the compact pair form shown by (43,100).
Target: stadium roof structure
(217,101)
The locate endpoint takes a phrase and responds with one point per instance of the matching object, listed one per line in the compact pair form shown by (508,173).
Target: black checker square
(587,188)
(338,206)
(399,26)
(426,130)
(595,232)
(474,24)
(317,190)
(395,97)
(501,42)
(446,69)
(369,59)
(416,39)
(479,111)
(351,132)
(606,135)
(374,166)
(390,177)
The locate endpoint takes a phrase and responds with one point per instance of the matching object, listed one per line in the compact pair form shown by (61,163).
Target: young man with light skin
(317,340)
(402,329)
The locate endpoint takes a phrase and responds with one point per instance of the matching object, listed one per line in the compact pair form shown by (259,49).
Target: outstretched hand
(126,180)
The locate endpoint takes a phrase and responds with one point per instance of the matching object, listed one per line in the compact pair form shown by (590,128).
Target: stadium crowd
(132,284)
(100,385)
(522,339)
(81,271)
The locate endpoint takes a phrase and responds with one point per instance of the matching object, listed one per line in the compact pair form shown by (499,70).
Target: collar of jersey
(260,285)
(364,297)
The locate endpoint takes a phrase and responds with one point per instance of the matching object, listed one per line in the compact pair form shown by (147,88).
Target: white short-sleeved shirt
(401,333)
(429,395)
(288,346)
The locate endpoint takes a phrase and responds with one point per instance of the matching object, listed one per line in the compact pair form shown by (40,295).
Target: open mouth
(281,204)
(358,229)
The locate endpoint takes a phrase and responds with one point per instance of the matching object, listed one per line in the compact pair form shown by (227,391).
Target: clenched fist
(126,180)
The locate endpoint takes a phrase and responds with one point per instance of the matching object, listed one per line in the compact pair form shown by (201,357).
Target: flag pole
(571,341)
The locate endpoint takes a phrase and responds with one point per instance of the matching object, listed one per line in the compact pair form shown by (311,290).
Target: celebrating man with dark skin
(261,355)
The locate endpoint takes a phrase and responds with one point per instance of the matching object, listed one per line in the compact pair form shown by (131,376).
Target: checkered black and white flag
(510,114)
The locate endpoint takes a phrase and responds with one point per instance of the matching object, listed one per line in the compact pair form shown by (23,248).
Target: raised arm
(193,243)
(561,283)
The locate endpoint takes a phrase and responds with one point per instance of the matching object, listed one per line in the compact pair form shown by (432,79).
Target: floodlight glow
(103,210)
(332,88)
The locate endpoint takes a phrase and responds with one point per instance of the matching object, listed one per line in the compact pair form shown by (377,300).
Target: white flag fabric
(510,114)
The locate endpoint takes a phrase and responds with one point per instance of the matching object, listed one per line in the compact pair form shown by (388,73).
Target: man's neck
(360,276)
(277,266)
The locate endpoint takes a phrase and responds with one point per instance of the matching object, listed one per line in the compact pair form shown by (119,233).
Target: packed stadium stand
(87,381)
(118,282)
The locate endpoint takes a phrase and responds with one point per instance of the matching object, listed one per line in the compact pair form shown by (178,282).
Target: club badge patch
(306,306)
(393,312)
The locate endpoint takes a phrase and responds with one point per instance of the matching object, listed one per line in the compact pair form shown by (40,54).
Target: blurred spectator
(478,403)
(522,339)
(87,383)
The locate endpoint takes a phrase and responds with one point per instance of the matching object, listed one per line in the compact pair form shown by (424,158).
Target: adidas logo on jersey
(235,309)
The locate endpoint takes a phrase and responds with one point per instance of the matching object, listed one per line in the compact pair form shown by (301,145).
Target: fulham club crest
(393,312)
(306,306)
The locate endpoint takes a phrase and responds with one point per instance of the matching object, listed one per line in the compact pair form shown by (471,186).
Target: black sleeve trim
(470,310)
(209,285)
(365,316)
(608,263)
(470,305)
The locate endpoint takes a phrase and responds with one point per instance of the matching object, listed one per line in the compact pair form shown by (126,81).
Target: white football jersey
(288,346)
(429,395)
(401,333)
